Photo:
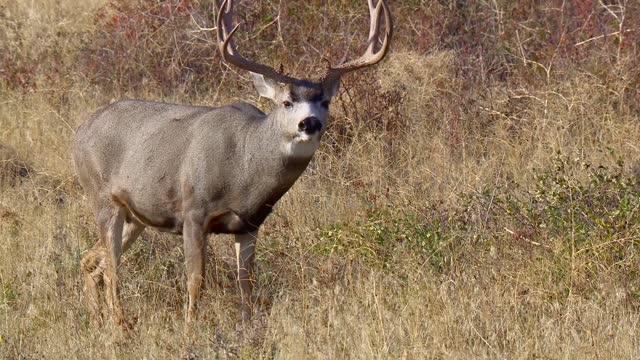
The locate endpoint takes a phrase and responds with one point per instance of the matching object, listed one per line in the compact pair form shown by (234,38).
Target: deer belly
(150,215)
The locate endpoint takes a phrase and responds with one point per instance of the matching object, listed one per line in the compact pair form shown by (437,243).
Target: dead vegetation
(12,169)
(476,196)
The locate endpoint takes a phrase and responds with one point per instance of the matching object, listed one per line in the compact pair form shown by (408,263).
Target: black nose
(310,125)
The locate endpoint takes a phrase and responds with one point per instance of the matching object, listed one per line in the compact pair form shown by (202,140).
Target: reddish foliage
(147,43)
(15,74)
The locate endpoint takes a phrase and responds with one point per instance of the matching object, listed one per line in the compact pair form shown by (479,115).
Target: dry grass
(466,203)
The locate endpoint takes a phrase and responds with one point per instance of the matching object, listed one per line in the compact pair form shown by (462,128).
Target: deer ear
(266,87)
(331,87)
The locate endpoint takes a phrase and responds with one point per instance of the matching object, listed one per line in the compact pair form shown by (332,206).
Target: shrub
(151,44)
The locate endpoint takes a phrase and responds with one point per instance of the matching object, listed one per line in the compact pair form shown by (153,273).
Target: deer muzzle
(310,125)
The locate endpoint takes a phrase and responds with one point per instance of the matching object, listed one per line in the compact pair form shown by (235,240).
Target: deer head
(302,106)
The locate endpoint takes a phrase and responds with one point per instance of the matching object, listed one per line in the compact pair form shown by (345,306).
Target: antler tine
(229,51)
(374,27)
(370,56)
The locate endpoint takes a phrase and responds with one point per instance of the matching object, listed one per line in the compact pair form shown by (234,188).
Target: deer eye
(287,104)
(325,104)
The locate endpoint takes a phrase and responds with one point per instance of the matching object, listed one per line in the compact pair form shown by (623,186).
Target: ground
(476,195)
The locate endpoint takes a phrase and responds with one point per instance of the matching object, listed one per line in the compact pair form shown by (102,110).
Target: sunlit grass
(476,195)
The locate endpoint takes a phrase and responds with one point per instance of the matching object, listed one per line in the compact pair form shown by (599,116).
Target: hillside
(477,194)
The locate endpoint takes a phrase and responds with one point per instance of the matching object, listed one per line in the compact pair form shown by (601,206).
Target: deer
(200,170)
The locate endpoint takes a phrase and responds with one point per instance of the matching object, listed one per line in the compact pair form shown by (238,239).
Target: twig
(601,36)
(201,29)
(522,237)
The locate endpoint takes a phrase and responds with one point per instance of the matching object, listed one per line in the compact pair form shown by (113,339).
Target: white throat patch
(303,146)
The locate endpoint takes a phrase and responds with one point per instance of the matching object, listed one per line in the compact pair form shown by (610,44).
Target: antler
(371,56)
(231,55)
(229,51)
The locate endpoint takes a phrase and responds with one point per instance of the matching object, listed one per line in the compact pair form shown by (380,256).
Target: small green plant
(9,294)
(585,216)
(382,232)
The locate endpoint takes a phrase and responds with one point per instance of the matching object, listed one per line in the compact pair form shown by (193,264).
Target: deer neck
(267,165)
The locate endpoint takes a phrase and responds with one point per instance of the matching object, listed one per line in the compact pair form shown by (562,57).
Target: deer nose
(310,125)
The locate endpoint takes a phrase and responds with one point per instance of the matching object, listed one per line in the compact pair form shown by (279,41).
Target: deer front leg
(195,246)
(245,254)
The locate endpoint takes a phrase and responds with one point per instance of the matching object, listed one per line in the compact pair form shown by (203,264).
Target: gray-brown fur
(218,170)
(197,170)
(163,161)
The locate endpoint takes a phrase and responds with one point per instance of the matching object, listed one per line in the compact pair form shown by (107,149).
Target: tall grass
(475,196)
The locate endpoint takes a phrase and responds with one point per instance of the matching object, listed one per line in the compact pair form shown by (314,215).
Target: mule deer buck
(196,170)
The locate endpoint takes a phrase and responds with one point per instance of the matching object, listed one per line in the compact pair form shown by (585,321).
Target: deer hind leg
(92,270)
(245,253)
(111,230)
(130,233)
(94,263)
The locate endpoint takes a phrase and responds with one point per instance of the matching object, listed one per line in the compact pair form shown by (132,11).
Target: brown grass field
(476,196)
